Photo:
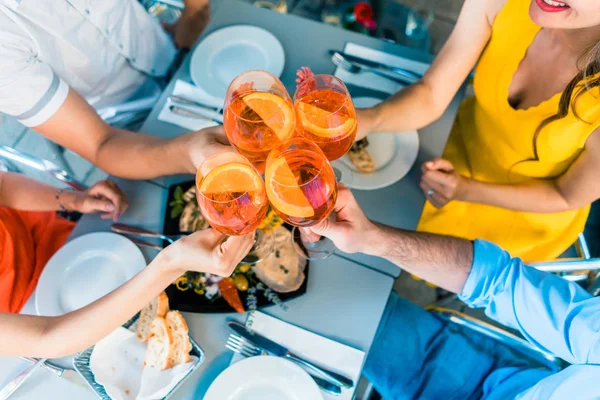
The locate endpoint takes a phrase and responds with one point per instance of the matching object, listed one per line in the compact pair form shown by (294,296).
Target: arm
(77,126)
(551,312)
(52,337)
(420,104)
(21,193)
(193,20)
(576,188)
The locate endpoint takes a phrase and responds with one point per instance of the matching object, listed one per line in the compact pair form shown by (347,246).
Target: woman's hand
(190,25)
(104,197)
(208,251)
(441,183)
(203,144)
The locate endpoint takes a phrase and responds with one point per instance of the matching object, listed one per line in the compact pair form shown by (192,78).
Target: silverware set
(13,385)
(192,109)
(358,65)
(253,344)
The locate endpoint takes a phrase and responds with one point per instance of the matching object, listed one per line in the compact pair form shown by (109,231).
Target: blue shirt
(554,314)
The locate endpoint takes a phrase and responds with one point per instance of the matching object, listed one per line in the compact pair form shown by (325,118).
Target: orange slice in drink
(286,196)
(320,115)
(277,113)
(215,160)
(231,178)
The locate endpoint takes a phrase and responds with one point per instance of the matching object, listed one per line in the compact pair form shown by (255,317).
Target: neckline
(513,70)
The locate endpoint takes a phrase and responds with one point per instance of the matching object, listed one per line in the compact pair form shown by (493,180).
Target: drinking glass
(302,189)
(418,20)
(325,114)
(259,115)
(232,198)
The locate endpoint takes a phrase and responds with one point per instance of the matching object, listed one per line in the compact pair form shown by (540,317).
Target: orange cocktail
(325,114)
(300,183)
(259,115)
(231,194)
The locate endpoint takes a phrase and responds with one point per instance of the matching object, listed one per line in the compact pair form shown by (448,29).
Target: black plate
(190,301)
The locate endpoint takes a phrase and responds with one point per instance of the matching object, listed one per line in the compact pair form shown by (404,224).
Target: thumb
(324,228)
(440,164)
(94,204)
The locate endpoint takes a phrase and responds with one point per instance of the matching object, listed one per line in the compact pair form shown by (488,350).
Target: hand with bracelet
(21,193)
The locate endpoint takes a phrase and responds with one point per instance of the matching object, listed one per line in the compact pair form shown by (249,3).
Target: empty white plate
(84,270)
(226,53)
(263,378)
(393,153)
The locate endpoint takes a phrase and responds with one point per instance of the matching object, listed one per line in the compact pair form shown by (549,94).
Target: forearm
(140,156)
(22,193)
(78,330)
(442,260)
(541,196)
(411,108)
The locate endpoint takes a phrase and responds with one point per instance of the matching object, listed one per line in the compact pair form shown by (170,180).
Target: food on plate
(160,350)
(157,308)
(360,157)
(191,220)
(283,269)
(181,339)
(231,294)
(241,282)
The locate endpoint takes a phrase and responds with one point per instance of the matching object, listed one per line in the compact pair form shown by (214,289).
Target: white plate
(393,153)
(263,378)
(226,53)
(84,270)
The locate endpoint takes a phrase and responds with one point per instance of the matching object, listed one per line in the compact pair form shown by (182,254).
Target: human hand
(351,231)
(208,251)
(190,25)
(366,122)
(441,183)
(104,197)
(204,143)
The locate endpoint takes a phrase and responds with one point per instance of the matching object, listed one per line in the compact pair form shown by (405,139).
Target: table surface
(306,43)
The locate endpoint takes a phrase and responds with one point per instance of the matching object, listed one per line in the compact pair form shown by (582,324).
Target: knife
(279,351)
(412,75)
(185,100)
(192,114)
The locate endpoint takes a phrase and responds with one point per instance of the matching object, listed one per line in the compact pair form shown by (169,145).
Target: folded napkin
(370,80)
(117,363)
(311,347)
(194,93)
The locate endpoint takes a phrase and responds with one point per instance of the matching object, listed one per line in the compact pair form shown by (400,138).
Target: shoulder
(493,8)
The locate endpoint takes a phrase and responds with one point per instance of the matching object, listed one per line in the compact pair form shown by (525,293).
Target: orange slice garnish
(283,190)
(231,178)
(277,113)
(318,121)
(215,160)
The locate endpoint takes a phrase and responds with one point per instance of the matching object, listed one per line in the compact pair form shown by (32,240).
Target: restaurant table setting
(330,325)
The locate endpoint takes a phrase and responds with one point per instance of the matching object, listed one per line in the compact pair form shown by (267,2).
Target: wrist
(466,190)
(165,263)
(68,200)
(374,240)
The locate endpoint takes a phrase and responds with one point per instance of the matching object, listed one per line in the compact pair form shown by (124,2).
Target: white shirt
(103,49)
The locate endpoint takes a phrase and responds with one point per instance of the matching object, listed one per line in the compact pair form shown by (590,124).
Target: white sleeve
(30,90)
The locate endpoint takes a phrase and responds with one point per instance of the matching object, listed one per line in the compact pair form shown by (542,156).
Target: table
(307,43)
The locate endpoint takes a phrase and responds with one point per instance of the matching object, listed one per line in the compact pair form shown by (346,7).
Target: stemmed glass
(302,189)
(232,197)
(259,115)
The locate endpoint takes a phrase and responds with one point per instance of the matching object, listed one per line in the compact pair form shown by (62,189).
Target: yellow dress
(490,137)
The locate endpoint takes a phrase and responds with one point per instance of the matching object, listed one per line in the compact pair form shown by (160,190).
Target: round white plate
(84,270)
(226,53)
(263,378)
(393,153)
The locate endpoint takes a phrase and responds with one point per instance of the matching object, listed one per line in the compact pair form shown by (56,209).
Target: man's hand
(190,25)
(366,122)
(441,183)
(104,197)
(208,251)
(204,143)
(351,231)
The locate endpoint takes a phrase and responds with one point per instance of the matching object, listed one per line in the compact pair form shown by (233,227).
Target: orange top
(27,241)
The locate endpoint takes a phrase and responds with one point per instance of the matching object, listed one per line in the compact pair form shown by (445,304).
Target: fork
(16,383)
(241,346)
(354,68)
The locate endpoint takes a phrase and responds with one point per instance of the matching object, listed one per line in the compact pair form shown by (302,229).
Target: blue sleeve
(554,314)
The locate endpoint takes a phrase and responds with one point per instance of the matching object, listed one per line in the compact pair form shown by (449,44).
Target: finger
(233,250)
(309,236)
(94,204)
(440,178)
(124,205)
(440,164)
(433,196)
(105,190)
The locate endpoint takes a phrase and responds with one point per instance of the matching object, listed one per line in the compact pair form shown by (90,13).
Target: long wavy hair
(587,79)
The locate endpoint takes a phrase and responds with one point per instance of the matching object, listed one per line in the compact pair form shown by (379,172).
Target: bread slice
(360,157)
(161,345)
(179,330)
(158,308)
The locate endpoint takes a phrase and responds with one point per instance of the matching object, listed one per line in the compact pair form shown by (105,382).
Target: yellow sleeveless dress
(490,138)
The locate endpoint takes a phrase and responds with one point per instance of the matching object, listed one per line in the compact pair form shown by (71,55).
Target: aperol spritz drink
(231,194)
(259,115)
(325,114)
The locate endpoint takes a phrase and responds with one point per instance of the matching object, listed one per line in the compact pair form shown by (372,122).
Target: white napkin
(370,80)
(311,347)
(117,363)
(194,93)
